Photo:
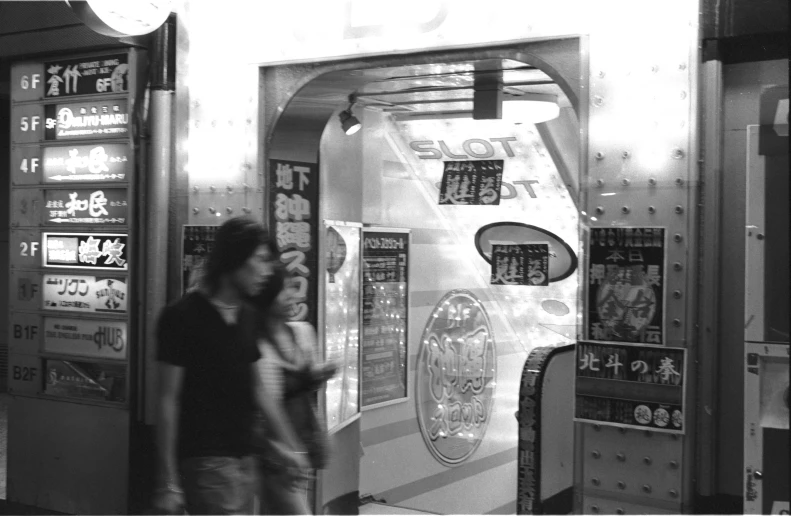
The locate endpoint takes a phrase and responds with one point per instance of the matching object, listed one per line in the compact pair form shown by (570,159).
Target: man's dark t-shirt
(216,403)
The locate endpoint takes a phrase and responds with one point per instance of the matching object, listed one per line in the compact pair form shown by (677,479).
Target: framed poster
(196,244)
(385,316)
(634,386)
(626,278)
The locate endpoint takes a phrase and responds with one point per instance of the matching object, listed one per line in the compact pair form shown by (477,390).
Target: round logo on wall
(454,386)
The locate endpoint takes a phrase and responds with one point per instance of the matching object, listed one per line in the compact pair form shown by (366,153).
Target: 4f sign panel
(98,251)
(96,339)
(106,162)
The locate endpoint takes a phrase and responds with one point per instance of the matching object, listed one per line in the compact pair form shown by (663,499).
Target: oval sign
(454,387)
(562,259)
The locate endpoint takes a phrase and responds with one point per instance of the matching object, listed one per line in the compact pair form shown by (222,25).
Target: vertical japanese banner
(293,222)
(474,183)
(630,385)
(626,280)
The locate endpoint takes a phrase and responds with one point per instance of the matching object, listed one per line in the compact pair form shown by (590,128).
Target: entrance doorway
(489,204)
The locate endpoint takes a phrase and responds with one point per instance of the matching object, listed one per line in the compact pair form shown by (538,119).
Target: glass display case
(341,283)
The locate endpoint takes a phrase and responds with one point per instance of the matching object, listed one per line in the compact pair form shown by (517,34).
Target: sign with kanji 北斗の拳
(630,385)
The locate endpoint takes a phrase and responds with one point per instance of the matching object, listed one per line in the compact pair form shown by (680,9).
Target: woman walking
(291,376)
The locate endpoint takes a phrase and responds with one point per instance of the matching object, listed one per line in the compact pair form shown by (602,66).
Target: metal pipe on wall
(157,201)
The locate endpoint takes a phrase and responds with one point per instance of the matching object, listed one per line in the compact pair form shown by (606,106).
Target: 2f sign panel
(94,251)
(87,338)
(26,249)
(87,294)
(24,374)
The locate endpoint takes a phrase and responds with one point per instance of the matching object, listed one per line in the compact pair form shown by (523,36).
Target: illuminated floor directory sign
(95,251)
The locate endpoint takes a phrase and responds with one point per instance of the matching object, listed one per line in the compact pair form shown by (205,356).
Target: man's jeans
(218,485)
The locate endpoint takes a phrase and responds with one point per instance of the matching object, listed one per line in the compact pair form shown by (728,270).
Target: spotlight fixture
(349,122)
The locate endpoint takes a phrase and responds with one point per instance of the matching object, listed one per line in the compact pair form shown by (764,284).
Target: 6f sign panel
(97,251)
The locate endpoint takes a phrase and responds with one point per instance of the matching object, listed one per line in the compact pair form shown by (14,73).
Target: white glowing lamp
(531,108)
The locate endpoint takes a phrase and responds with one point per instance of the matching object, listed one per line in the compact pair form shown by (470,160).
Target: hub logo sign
(455,377)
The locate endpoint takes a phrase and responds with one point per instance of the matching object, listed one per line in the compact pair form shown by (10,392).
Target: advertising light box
(98,207)
(87,294)
(93,251)
(95,75)
(85,337)
(85,380)
(103,162)
(87,120)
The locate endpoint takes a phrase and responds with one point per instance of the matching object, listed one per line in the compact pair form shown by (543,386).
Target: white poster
(84,337)
(86,294)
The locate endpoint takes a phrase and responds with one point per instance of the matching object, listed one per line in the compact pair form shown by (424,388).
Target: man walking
(209,389)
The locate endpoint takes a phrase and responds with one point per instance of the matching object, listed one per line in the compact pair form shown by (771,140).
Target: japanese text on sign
(294,198)
(385,302)
(471,182)
(86,251)
(630,385)
(105,119)
(626,285)
(84,293)
(102,74)
(100,207)
(520,264)
(86,163)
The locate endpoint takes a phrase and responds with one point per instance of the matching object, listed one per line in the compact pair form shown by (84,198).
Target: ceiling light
(349,122)
(531,108)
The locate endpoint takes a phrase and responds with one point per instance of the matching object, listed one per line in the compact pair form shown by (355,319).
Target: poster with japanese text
(94,251)
(630,385)
(385,308)
(293,223)
(471,182)
(626,285)
(197,242)
(520,264)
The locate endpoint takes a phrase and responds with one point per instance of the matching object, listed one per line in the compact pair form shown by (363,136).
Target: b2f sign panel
(91,251)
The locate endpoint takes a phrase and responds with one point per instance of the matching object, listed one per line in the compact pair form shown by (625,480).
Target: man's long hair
(234,243)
